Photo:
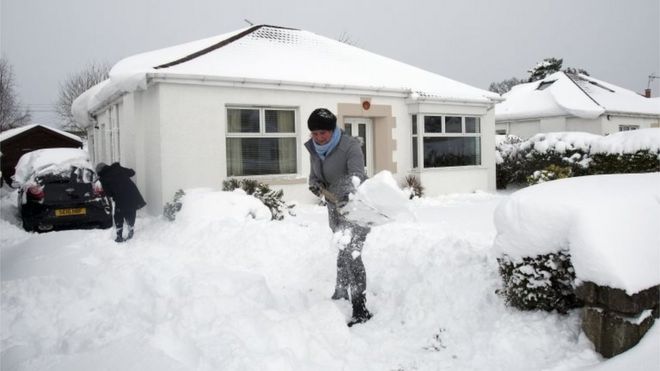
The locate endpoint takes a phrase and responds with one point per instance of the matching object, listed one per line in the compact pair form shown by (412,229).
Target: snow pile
(379,200)
(204,207)
(628,142)
(607,222)
(54,160)
(243,293)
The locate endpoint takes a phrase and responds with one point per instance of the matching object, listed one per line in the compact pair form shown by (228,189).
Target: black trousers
(124,214)
(351,274)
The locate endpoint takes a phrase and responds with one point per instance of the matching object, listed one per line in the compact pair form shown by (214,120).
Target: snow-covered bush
(272,199)
(552,172)
(544,282)
(413,186)
(585,154)
(642,161)
(171,208)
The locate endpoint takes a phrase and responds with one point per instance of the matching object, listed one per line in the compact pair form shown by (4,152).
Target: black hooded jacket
(117,184)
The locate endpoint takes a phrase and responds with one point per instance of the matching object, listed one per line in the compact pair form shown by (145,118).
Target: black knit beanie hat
(322,119)
(100,166)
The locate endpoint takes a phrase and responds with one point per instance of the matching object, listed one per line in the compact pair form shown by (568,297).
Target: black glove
(316,190)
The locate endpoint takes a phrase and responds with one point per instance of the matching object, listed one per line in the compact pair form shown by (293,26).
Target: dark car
(62,195)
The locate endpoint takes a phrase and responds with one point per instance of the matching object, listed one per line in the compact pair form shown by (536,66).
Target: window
(261,141)
(628,127)
(449,141)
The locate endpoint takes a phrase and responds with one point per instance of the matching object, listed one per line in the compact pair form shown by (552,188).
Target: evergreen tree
(545,68)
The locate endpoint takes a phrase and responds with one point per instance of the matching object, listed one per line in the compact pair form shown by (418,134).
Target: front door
(362,128)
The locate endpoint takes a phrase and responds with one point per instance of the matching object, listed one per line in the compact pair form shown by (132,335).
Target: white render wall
(173,135)
(603,125)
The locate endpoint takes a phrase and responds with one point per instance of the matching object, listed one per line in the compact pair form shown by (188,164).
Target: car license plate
(68,212)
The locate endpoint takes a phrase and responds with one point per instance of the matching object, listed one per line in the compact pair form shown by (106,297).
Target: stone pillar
(615,321)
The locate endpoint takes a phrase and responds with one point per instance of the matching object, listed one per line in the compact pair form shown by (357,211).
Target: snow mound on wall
(607,222)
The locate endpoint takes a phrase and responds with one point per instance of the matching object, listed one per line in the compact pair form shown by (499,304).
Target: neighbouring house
(236,105)
(16,142)
(573,102)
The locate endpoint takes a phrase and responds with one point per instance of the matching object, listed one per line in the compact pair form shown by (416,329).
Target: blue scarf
(323,149)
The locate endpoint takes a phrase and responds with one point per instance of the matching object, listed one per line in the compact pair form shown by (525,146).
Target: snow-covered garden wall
(607,226)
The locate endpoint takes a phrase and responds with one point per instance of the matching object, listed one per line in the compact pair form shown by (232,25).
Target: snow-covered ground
(223,288)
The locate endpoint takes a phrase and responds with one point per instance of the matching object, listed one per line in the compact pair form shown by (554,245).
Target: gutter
(257,83)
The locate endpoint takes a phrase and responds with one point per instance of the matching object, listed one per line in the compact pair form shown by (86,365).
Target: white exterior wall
(552,124)
(610,125)
(602,125)
(173,135)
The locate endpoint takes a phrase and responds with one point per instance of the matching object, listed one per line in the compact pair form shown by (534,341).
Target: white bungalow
(573,102)
(236,105)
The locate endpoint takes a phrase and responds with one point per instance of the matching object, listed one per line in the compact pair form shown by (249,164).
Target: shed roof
(564,94)
(7,134)
(282,56)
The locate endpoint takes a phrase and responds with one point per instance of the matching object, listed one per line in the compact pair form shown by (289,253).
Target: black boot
(340,293)
(119,236)
(360,312)
(130,233)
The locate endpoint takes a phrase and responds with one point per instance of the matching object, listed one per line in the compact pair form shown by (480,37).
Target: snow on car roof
(55,160)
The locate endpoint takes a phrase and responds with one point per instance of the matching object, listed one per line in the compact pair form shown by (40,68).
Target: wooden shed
(16,142)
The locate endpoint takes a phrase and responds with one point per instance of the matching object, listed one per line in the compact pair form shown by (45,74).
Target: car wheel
(28,226)
(45,227)
(106,225)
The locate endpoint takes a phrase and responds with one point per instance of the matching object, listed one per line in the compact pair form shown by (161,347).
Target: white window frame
(422,134)
(628,127)
(263,134)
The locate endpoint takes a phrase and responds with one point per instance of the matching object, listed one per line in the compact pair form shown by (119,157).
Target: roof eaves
(217,45)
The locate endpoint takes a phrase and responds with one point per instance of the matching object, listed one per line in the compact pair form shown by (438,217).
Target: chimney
(647,93)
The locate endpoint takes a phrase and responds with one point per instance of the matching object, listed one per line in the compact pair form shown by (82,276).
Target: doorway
(362,129)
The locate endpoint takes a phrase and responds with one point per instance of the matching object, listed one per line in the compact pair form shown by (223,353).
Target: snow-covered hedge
(544,282)
(636,151)
(607,224)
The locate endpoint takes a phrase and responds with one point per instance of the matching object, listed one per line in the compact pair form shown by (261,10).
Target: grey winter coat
(340,165)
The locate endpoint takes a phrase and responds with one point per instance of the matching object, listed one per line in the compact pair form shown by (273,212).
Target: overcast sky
(473,41)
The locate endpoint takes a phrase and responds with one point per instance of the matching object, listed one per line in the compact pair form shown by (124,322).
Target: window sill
(448,168)
(275,179)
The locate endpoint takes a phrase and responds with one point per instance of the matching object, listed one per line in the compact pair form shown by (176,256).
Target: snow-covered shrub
(552,172)
(583,153)
(544,282)
(171,208)
(642,161)
(413,186)
(272,199)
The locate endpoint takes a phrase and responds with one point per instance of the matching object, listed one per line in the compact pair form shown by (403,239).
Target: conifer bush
(172,208)
(544,282)
(413,186)
(272,199)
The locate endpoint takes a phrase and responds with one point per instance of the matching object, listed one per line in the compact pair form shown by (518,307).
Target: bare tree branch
(10,114)
(72,87)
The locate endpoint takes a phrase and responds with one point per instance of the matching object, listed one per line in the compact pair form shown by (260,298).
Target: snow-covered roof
(564,94)
(276,55)
(14,132)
